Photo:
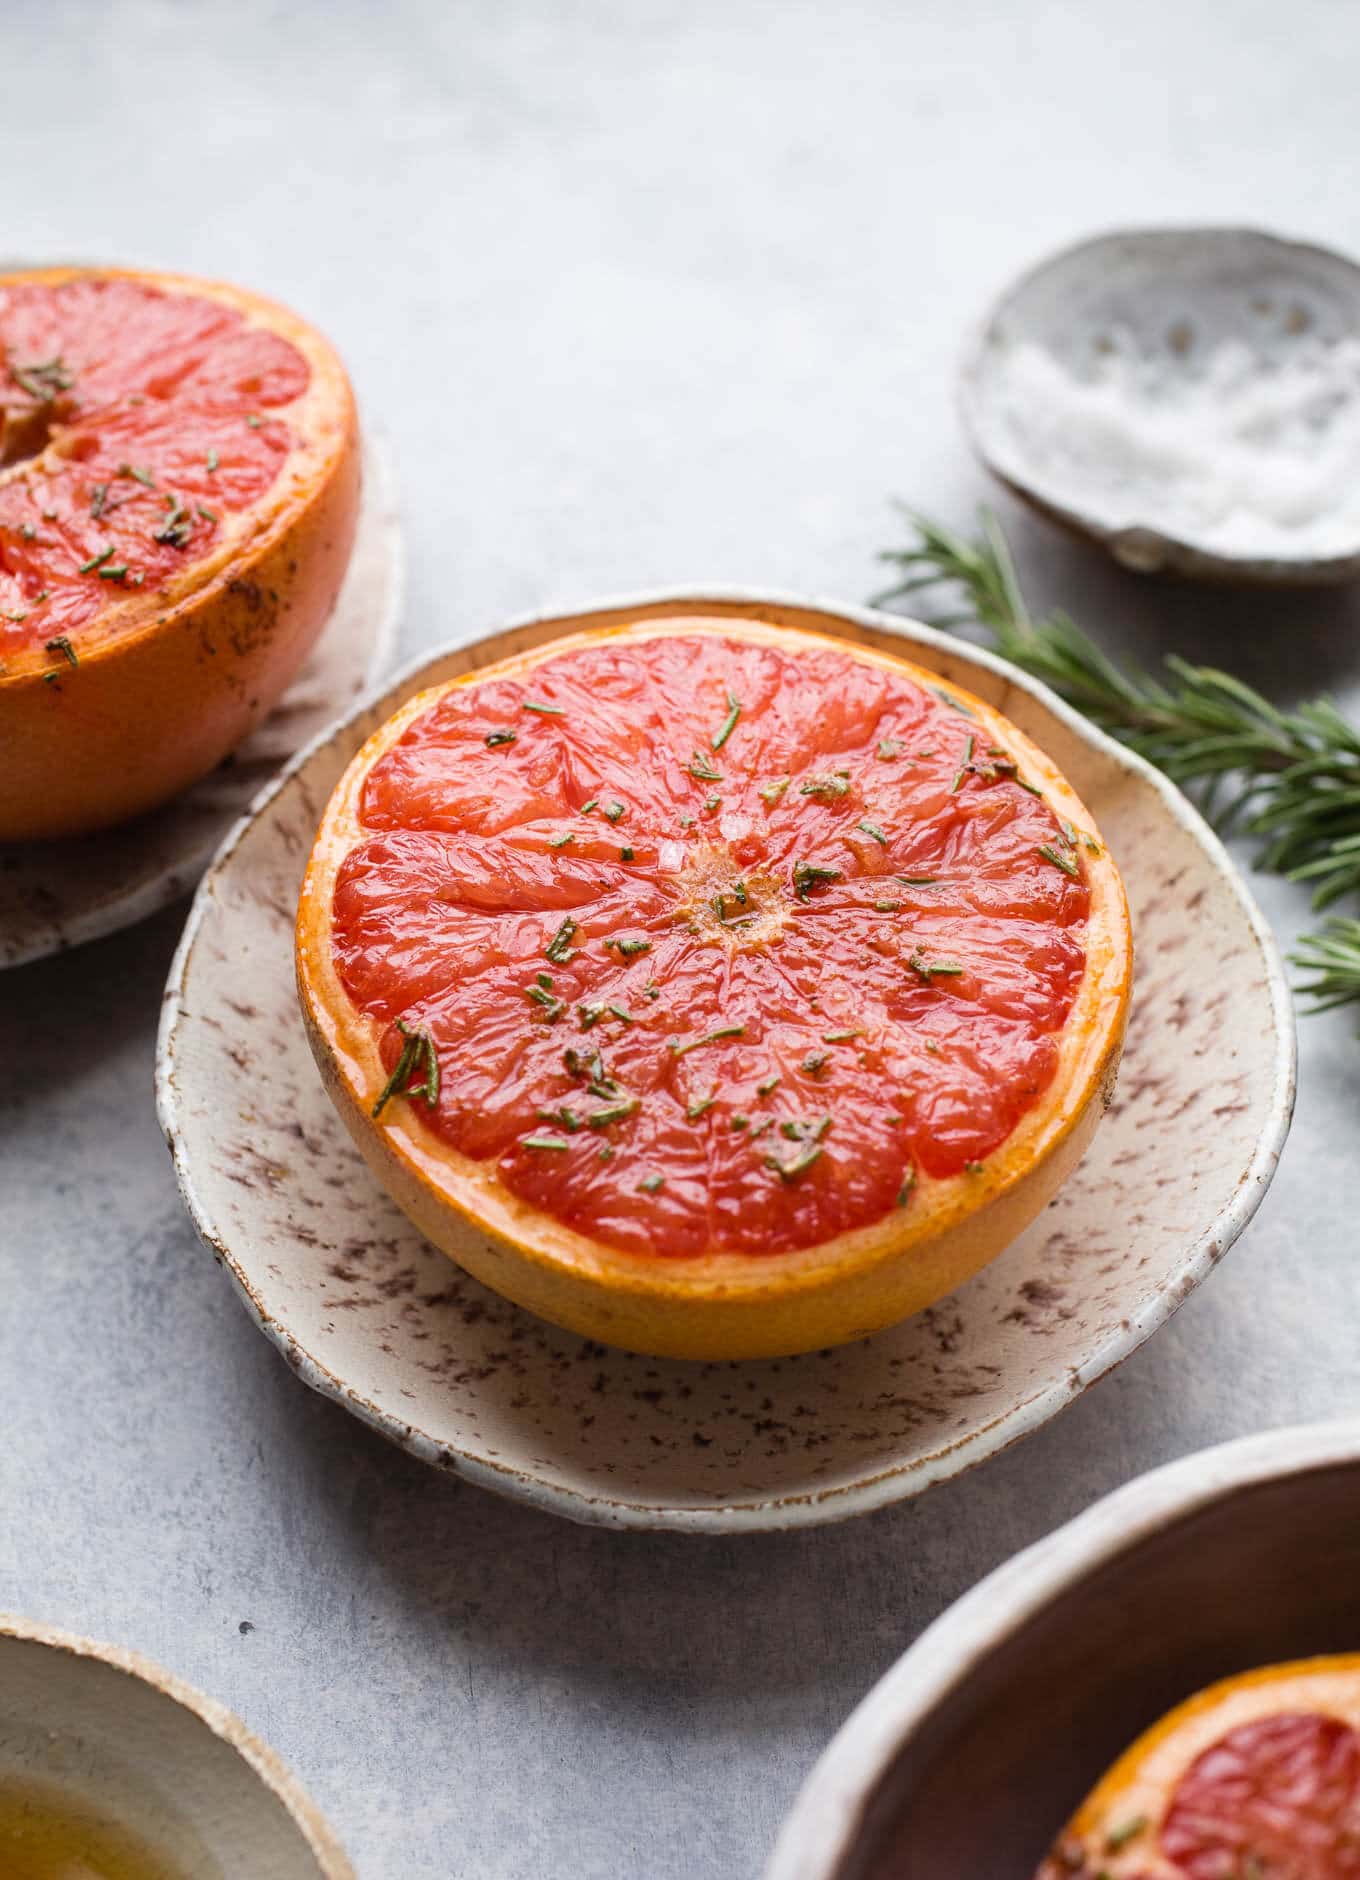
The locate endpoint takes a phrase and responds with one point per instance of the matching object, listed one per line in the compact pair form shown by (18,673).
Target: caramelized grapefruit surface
(1257,1778)
(708,943)
(772,926)
(178,460)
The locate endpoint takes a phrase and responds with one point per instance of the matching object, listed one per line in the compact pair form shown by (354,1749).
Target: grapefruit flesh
(1257,1778)
(137,423)
(712,946)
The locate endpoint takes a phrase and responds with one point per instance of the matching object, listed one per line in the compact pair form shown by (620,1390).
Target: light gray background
(642,294)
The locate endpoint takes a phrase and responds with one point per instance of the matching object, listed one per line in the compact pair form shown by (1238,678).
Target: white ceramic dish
(117,1738)
(1190,398)
(969,1756)
(370,1314)
(55,895)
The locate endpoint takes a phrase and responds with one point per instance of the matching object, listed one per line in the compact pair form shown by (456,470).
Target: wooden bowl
(970,1755)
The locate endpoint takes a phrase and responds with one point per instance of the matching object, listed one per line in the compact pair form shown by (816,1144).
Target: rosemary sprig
(1290,778)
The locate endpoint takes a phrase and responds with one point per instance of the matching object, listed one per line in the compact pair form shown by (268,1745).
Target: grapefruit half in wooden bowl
(711,988)
(1256,1778)
(179,487)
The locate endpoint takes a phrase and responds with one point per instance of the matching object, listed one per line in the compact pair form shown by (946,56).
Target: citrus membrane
(710,944)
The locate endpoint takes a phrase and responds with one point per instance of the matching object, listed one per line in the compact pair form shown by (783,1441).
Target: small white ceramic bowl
(1189,398)
(116,1737)
(969,1756)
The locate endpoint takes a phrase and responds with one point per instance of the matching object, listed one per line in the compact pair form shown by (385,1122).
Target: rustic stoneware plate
(969,1756)
(1189,398)
(105,1734)
(60,894)
(367,1312)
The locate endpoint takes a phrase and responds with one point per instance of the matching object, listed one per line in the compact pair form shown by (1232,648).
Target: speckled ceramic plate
(101,1734)
(370,1314)
(60,894)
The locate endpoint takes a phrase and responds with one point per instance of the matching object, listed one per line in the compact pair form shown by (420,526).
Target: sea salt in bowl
(1190,398)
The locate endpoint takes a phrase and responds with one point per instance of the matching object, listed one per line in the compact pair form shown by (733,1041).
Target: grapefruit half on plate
(1256,1778)
(179,484)
(710,988)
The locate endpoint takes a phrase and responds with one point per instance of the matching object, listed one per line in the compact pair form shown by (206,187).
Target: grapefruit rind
(171,680)
(718,1305)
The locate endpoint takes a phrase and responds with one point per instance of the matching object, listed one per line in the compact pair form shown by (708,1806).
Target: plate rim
(885,1486)
(122,911)
(265,1763)
(825,1814)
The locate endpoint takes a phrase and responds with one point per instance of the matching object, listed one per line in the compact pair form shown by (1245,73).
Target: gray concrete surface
(641,293)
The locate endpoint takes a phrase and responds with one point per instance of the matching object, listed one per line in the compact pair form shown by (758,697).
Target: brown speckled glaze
(55,895)
(366,1311)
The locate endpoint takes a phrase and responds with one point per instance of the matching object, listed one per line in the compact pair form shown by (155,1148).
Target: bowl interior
(1197,386)
(111,1744)
(986,1781)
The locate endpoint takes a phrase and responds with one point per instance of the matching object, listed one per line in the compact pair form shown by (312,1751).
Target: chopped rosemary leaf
(1126,1832)
(814,1063)
(796,1165)
(810,875)
(418,1053)
(729,724)
(544,1142)
(932,969)
(771,792)
(973,1168)
(558,949)
(710,804)
(211,462)
(544,979)
(604,1153)
(96,561)
(709,1037)
(628,948)
(553,1007)
(872,829)
(1025,784)
(920,881)
(1068,863)
(589,1015)
(63,646)
(1091,845)
(886,907)
(493,738)
(625,855)
(143,477)
(766,1085)
(99,495)
(615,811)
(954,704)
(564,1115)
(586,808)
(650,1184)
(840,1037)
(908,1183)
(254,422)
(612,1113)
(889,748)
(962,770)
(696,1109)
(740,1120)
(560,842)
(548,711)
(703,768)
(114,574)
(621,1011)
(830,786)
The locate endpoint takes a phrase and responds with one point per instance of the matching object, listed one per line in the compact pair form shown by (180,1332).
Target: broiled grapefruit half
(1256,1778)
(710,988)
(179,485)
